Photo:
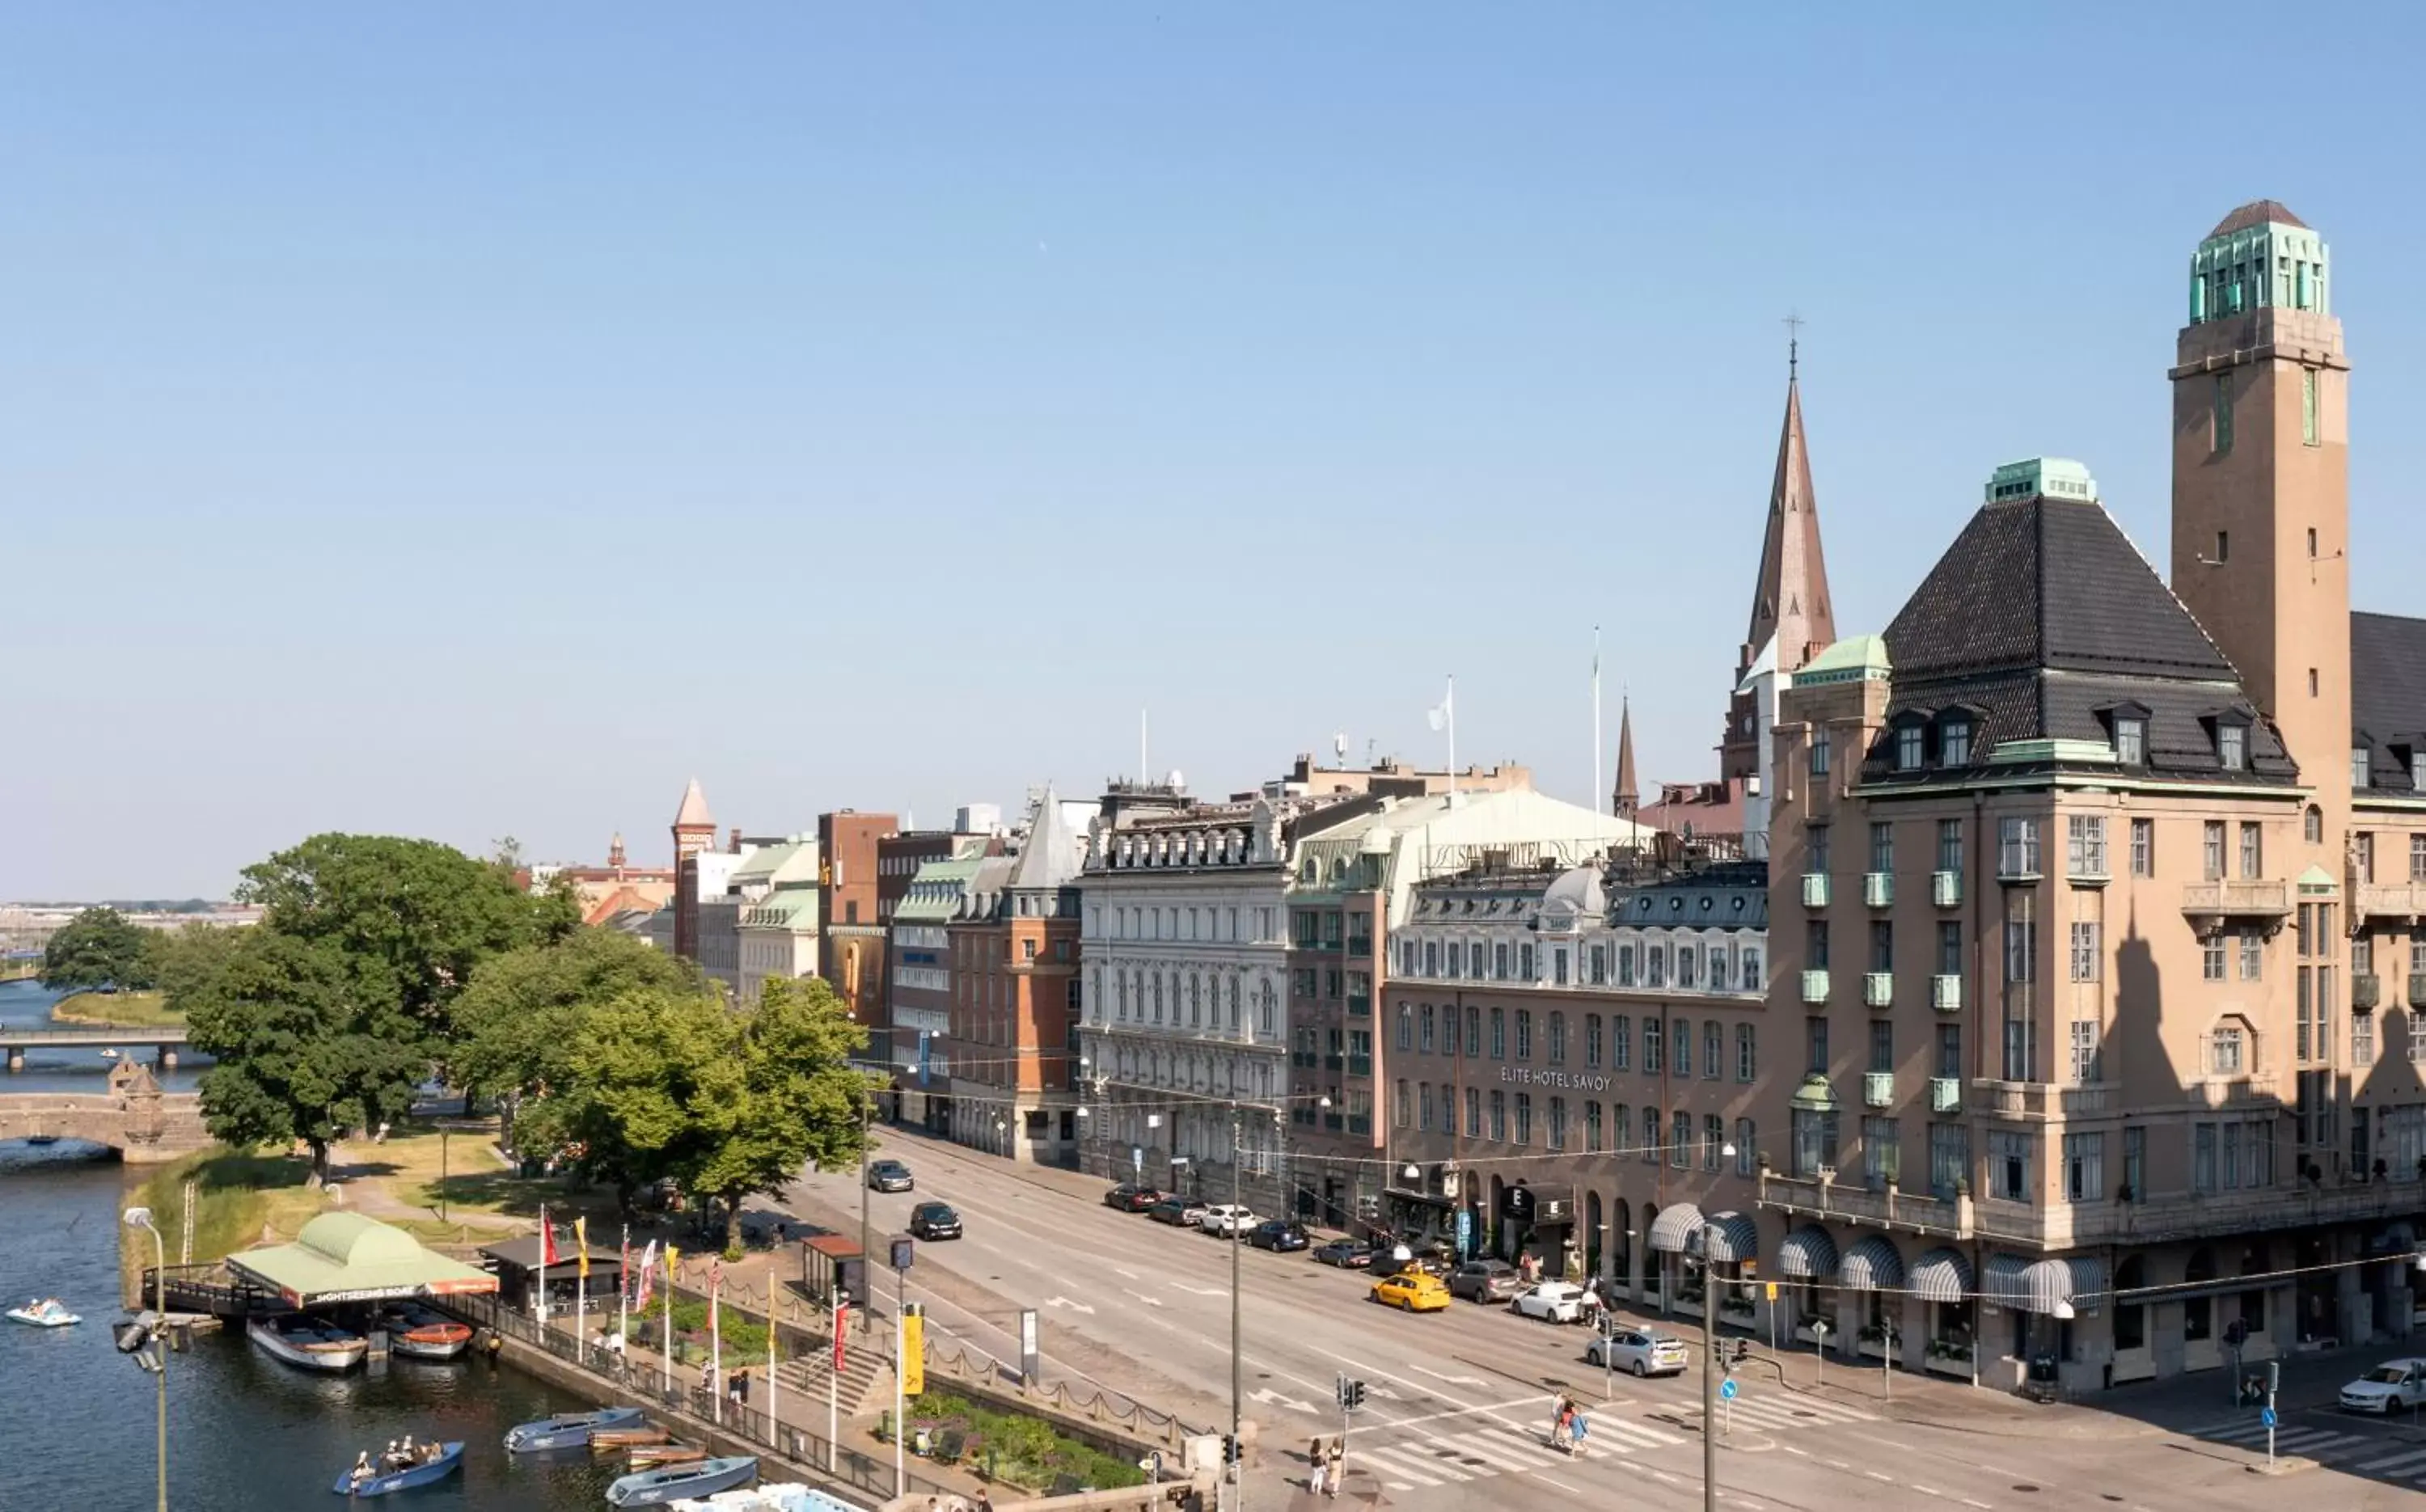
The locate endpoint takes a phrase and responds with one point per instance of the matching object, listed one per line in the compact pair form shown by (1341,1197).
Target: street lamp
(1710,1367)
(151,1329)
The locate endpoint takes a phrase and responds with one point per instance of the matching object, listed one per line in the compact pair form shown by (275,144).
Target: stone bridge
(134,1117)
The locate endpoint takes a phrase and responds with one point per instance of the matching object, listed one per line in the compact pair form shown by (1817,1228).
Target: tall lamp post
(157,1334)
(1710,1367)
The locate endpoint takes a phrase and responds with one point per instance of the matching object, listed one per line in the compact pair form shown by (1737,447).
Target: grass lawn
(238,1197)
(132,1010)
(477,1182)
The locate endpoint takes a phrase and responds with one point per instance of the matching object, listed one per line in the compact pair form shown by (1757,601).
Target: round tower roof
(2256,213)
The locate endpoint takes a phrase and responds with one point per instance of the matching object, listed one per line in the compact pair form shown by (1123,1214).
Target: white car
(1638,1352)
(1553,1301)
(2394,1386)
(1228,1219)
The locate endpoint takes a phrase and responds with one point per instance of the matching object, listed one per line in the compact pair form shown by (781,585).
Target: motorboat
(424,1333)
(787,1496)
(311,1343)
(110,1055)
(655,1487)
(450,1460)
(567,1430)
(46,1313)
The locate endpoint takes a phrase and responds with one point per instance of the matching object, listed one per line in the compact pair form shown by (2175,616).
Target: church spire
(1789,601)
(1624,801)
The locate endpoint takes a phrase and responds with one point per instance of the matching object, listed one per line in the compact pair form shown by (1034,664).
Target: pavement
(1459,1403)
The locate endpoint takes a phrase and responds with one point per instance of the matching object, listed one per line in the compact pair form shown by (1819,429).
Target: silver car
(1638,1352)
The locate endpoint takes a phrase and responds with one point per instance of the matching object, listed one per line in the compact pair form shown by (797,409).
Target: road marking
(1125,1275)
(1791,1450)
(2411,1460)
(1879,1475)
(1967,1502)
(1453,1381)
(1401,1476)
(1065,1302)
(1150,1301)
(1199,1291)
(1529,1402)
(1271,1398)
(1928,1490)
(1552,1480)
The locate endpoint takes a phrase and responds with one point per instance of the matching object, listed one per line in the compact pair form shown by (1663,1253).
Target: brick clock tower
(694,831)
(2261,489)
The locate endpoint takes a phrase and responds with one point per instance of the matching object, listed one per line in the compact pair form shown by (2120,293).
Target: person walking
(1336,1467)
(1314,1458)
(1560,1416)
(1577,1429)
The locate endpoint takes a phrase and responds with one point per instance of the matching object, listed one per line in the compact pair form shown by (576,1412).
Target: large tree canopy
(99,947)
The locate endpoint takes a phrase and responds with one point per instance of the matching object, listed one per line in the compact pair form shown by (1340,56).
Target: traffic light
(1230,1455)
(1743,1350)
(1350,1394)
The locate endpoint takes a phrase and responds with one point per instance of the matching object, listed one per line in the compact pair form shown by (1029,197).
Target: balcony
(1949,1217)
(1877,890)
(1945,992)
(2209,904)
(2387,900)
(1360,1123)
(1335,1062)
(1945,888)
(2195,1214)
(2417,989)
(1815,890)
(1878,989)
(1944,1094)
(1303,1058)
(1360,944)
(1360,1064)
(1878,1089)
(1335,1122)
(2366,991)
(2042,1100)
(1815,986)
(1360,1005)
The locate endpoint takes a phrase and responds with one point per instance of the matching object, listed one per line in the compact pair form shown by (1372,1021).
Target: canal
(246,1434)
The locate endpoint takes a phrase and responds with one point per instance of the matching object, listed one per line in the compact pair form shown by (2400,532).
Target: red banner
(841,1317)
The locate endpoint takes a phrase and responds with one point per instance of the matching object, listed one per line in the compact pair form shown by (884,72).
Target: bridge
(164,1041)
(134,1117)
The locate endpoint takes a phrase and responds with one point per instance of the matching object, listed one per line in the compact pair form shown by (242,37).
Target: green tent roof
(345,1257)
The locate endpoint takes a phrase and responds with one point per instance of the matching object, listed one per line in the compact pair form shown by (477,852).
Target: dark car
(1127,1198)
(890,1175)
(1485,1281)
(1347,1254)
(1277,1235)
(935,1220)
(1179,1212)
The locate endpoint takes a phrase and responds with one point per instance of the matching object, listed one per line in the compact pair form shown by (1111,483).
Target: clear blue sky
(476,420)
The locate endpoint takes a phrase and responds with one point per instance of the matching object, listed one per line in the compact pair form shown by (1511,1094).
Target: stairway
(867,1374)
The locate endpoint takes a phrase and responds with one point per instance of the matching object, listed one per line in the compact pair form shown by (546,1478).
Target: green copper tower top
(2261,254)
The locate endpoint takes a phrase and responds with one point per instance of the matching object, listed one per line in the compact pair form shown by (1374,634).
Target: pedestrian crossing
(1500,1449)
(1783,1412)
(2364,1454)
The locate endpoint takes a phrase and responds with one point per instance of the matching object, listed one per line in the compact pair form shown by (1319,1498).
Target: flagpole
(543,1247)
(715,1340)
(1596,794)
(624,1295)
(667,1355)
(581,1287)
(774,1422)
(1453,739)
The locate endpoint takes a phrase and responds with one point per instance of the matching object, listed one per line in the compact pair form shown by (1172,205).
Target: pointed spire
(693,813)
(615,850)
(1791,597)
(1625,802)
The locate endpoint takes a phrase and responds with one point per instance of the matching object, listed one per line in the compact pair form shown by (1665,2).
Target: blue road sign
(1465,1233)
(1727,1390)
(2265,1417)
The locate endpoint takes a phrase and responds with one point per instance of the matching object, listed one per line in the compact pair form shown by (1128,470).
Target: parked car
(1277,1234)
(1178,1211)
(1411,1291)
(890,1175)
(1347,1254)
(1127,1198)
(1485,1281)
(1228,1219)
(2394,1386)
(1638,1351)
(1552,1301)
(935,1220)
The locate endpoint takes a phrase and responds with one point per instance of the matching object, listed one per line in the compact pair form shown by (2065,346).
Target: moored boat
(311,1343)
(655,1487)
(567,1430)
(607,1440)
(424,1333)
(451,1459)
(42,1139)
(646,1455)
(46,1313)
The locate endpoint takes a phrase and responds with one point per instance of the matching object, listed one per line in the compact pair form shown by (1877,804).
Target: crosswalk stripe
(2309,1440)
(1503,1453)
(2414,1459)
(1391,1465)
(2235,1435)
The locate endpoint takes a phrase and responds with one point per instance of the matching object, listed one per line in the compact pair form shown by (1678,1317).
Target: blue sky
(474,421)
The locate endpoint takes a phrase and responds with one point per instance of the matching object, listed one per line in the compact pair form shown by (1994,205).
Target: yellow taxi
(1411,1291)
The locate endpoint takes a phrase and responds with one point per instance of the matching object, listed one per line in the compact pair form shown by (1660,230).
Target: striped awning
(1729,1238)
(1941,1275)
(1675,1227)
(1871,1265)
(2038,1286)
(1808,1254)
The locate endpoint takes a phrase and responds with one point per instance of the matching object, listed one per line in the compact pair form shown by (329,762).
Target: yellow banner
(581,1242)
(673,1258)
(914,1353)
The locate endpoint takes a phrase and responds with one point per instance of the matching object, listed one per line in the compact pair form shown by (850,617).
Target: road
(1459,1402)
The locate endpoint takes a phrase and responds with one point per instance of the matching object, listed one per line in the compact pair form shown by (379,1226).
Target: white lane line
(1836,1464)
(1548,1480)
(1528,1403)
(1791,1450)
(1928,1490)
(1879,1475)
(1392,1465)
(2407,1461)
(1504,1455)
(1981,1505)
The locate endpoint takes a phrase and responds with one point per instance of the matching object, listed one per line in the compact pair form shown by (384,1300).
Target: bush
(1022,1450)
(744,1336)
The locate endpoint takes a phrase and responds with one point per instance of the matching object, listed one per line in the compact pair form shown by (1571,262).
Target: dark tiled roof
(2041,614)
(2256,213)
(2388,695)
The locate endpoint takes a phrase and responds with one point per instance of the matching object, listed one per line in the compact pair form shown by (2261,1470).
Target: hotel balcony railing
(1878,989)
(1815,890)
(2387,900)
(2366,991)
(1304,1059)
(1950,1218)
(1878,1089)
(1945,888)
(1360,1064)
(1331,943)
(1360,1005)
(2192,1215)
(2208,904)
(1815,986)
(1360,1123)
(1877,890)
(2417,989)
(1945,992)
(1945,1093)
(2042,1099)
(1334,1121)
(1335,1062)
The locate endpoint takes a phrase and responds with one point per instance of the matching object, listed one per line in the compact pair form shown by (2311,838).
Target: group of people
(1568,1427)
(401,1454)
(1324,1478)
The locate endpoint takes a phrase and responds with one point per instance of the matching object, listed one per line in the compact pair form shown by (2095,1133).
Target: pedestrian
(1558,1416)
(740,1389)
(1337,1470)
(1577,1429)
(1316,1463)
(984,1502)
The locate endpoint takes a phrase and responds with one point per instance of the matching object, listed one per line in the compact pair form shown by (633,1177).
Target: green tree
(184,959)
(99,947)
(311,1042)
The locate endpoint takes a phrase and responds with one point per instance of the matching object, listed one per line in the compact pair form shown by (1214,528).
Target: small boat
(655,1487)
(424,1333)
(110,1055)
(567,1430)
(450,1460)
(644,1455)
(46,1313)
(42,1139)
(607,1440)
(313,1344)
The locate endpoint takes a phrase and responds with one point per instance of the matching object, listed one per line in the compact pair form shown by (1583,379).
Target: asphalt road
(1459,1402)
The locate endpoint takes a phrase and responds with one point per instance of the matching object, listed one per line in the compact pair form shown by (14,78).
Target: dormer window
(2130,740)
(2358,767)
(1954,742)
(2417,768)
(2232,747)
(1908,748)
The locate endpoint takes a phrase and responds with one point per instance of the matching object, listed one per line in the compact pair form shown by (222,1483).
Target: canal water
(246,1433)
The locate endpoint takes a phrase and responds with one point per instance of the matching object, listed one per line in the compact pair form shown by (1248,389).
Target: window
(1597,959)
(2362,1040)
(2308,407)
(2021,937)
(2220,437)
(1650,1061)
(1819,754)
(1651,1135)
(1744,1153)
(1718,964)
(2084,844)
(1882,1154)
(2085,954)
(2232,747)
(2226,1051)
(1431,957)
(1457,959)
(1424,1030)
(1523,1034)
(2358,767)
(1751,970)
(1474,1113)
(1949,948)
(1620,1042)
(1558,1139)
(1680,1048)
(1591,1127)
(1473,1033)
(1949,1050)
(1625,965)
(1949,1159)
(1406,1027)
(2312,826)
(2203,1151)
(1499,1116)
(1883,847)
(2143,847)
(1817,839)
(2253,851)
(1714,1140)
(2017,845)
(2130,740)
(2364,856)
(2212,849)
(1499,961)
(1954,742)
(2211,958)
(1655,966)
(1680,1140)
(1746,1060)
(1558,1039)
(1815,1141)
(2084,1167)
(1714,1050)
(2252,954)
(1559,967)
(1949,844)
(2223,547)
(1883,1046)
(1815,944)
(1403,1109)
(1815,1042)
(1499,1034)
(1424,1105)
(1908,748)
(2086,1068)
(2008,1165)
(1685,957)
(1525,962)
(2135,1160)
(1523,1117)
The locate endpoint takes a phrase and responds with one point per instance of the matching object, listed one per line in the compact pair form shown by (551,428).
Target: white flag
(1439,716)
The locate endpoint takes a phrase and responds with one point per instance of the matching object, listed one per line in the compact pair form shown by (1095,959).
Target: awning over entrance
(1728,1237)
(1675,1227)
(345,1257)
(1941,1275)
(2038,1286)
(1430,1200)
(1808,1254)
(1871,1265)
